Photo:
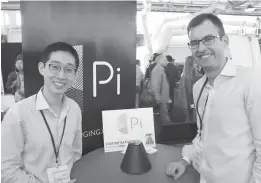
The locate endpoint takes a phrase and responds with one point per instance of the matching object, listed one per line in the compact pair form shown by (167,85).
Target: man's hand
(14,84)
(20,92)
(176,169)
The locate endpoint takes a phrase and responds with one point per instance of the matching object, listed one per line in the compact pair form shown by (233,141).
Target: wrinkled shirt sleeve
(189,152)
(253,107)
(77,143)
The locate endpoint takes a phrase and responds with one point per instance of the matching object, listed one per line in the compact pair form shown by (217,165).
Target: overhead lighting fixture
(250,8)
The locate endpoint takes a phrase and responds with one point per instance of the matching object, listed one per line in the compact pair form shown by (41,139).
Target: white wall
(142,55)
(245,51)
(178,53)
(154,20)
(256,53)
(240,50)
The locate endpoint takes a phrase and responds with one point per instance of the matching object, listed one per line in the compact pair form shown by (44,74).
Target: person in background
(227,148)
(173,76)
(42,134)
(189,79)
(152,64)
(15,80)
(139,83)
(160,87)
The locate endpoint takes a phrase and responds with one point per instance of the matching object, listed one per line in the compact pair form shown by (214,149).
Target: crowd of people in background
(171,84)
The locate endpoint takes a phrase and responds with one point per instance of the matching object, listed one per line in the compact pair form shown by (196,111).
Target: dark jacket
(11,78)
(149,70)
(172,73)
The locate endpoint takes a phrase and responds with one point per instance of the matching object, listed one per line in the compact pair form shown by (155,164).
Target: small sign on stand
(123,126)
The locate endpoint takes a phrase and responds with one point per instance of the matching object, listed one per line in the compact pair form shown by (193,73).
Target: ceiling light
(250,8)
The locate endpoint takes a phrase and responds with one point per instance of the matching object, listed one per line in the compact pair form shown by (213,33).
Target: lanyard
(55,152)
(201,117)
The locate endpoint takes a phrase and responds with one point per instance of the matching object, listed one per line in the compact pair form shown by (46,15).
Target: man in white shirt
(42,135)
(227,148)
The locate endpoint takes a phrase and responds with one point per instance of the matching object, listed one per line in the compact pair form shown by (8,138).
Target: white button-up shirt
(230,148)
(27,149)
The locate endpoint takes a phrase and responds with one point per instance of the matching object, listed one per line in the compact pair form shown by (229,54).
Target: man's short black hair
(169,58)
(60,46)
(19,57)
(199,19)
(154,56)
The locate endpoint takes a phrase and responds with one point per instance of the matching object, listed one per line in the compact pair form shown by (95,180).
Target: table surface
(100,167)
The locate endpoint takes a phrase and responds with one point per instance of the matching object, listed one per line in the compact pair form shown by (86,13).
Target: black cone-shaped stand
(135,160)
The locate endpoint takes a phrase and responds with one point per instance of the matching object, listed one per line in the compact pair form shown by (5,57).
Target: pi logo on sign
(134,124)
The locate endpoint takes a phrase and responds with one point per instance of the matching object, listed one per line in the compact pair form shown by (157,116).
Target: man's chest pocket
(227,113)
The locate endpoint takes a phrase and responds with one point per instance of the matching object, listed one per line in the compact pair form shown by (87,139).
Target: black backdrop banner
(104,32)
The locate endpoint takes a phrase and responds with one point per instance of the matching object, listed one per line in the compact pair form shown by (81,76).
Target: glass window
(18,18)
(7,18)
(2,18)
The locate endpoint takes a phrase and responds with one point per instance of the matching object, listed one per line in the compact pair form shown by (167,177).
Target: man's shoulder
(73,104)
(20,108)
(13,74)
(248,74)
(171,66)
(26,103)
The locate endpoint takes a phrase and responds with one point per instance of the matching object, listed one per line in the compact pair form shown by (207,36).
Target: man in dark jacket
(15,80)
(173,76)
(151,66)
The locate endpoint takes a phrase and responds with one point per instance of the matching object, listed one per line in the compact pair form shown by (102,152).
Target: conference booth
(109,36)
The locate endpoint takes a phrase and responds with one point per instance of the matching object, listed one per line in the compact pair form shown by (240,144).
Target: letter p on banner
(95,64)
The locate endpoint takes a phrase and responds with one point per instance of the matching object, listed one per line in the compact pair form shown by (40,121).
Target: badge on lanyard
(58,174)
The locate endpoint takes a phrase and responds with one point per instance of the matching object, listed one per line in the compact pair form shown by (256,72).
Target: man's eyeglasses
(207,41)
(68,71)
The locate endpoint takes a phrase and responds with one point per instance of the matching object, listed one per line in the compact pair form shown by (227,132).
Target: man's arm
(12,148)
(193,152)
(189,151)
(253,106)
(9,83)
(77,142)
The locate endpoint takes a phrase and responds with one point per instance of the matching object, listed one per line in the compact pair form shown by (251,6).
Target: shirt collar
(41,103)
(229,70)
